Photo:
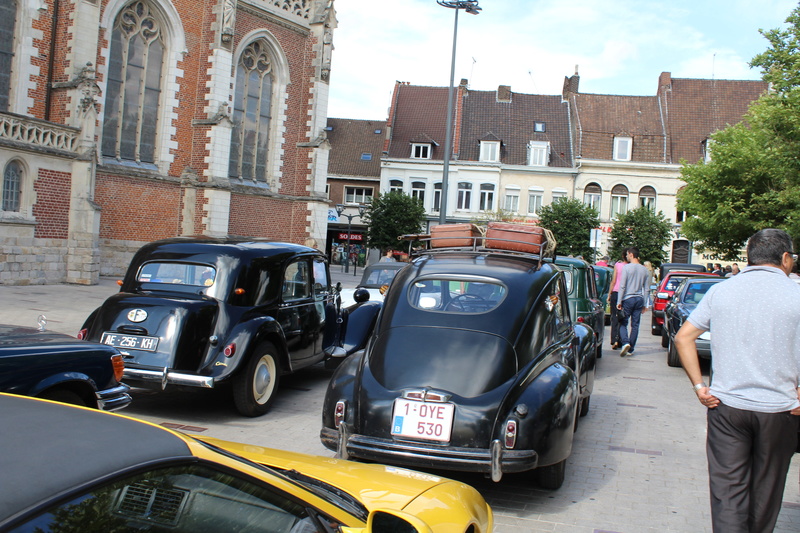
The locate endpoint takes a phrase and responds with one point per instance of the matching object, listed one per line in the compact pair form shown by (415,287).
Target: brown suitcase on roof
(454,235)
(515,236)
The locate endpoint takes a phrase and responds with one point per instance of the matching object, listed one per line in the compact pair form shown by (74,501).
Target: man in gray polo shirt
(634,282)
(754,319)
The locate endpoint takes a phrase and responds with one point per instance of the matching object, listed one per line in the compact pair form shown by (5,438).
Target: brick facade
(92,211)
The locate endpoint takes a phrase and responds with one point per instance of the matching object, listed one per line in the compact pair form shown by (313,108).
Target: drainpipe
(51,62)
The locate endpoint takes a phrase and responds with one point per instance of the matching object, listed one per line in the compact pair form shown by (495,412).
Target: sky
(619,46)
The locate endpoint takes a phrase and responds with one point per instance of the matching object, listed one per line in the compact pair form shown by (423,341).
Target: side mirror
(382,520)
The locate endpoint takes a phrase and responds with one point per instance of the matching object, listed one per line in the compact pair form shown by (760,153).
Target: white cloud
(620,46)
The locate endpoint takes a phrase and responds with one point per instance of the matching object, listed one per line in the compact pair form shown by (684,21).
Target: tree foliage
(753,179)
(571,222)
(391,215)
(644,229)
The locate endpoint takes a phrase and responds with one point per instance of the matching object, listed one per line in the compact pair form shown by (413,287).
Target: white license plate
(423,420)
(133,342)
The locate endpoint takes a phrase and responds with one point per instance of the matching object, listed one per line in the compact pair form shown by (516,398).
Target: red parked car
(666,288)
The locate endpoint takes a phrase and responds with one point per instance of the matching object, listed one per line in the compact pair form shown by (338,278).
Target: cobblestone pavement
(638,462)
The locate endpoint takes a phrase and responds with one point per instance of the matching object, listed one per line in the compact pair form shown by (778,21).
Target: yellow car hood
(388,487)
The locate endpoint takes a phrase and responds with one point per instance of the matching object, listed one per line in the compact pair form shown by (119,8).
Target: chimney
(504,93)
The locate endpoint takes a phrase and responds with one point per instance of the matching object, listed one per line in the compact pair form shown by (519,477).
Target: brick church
(128,121)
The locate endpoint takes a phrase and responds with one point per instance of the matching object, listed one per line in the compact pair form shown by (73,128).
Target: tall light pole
(340,211)
(471,7)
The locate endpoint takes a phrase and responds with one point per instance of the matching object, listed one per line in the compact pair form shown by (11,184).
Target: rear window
(178,274)
(456,296)
(673,282)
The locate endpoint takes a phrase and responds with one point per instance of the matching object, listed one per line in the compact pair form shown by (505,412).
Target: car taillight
(118,365)
(580,319)
(511,434)
(229,350)
(339,413)
(82,334)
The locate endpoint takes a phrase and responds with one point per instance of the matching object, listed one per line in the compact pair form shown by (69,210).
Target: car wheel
(600,350)
(64,396)
(673,359)
(585,405)
(254,388)
(664,339)
(551,477)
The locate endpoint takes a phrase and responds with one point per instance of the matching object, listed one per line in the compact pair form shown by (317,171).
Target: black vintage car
(202,312)
(686,297)
(474,364)
(55,366)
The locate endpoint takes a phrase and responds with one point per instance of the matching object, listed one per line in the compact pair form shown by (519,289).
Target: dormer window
(420,151)
(490,151)
(623,146)
(538,153)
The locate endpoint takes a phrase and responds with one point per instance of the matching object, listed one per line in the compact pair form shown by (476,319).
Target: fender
(73,378)
(360,322)
(586,356)
(342,387)
(246,335)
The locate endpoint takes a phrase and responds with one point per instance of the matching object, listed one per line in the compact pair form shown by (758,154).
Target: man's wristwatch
(698,386)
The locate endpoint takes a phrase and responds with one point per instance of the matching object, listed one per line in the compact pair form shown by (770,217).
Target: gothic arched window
(8,16)
(252,112)
(134,84)
(12,183)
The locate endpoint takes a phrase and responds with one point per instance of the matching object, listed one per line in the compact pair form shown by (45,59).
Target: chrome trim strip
(166,376)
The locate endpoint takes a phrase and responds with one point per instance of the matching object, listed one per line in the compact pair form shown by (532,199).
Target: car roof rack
(476,241)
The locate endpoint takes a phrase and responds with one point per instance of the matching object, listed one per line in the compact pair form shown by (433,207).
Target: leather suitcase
(515,237)
(454,235)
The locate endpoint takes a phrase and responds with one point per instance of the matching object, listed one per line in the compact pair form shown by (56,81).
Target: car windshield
(695,292)
(456,296)
(378,276)
(174,273)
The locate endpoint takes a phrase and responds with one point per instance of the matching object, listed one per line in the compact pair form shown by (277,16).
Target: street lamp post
(340,212)
(471,7)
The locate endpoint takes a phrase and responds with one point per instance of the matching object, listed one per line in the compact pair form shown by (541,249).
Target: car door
(297,313)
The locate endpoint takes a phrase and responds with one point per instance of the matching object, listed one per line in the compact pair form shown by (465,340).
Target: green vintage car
(585,303)
(602,278)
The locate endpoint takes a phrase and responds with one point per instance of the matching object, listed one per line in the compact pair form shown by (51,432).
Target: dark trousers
(748,459)
(612,302)
(633,311)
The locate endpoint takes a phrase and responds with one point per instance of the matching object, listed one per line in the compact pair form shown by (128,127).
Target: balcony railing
(39,133)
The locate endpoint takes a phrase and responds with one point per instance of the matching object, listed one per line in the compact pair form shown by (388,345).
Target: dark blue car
(55,366)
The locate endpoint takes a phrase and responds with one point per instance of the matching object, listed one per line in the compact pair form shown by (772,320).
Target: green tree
(391,215)
(644,229)
(753,179)
(571,222)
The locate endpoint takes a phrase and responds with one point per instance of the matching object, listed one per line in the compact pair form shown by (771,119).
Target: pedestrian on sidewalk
(754,319)
(613,299)
(634,285)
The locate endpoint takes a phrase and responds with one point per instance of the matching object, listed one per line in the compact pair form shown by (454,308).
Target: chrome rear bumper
(166,376)
(495,460)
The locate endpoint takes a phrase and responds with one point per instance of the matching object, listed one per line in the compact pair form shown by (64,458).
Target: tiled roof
(419,113)
(601,117)
(512,122)
(696,108)
(349,140)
